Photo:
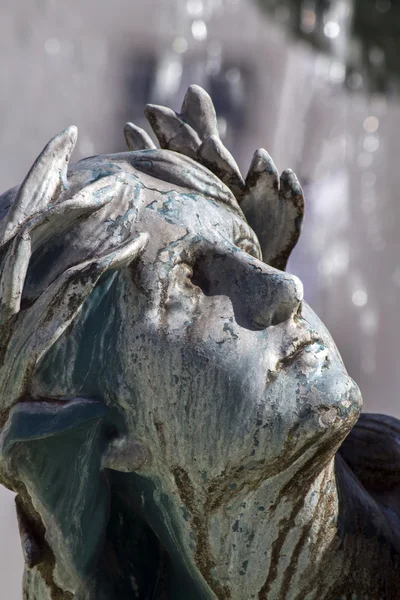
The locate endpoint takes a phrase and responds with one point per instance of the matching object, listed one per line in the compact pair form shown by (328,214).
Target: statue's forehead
(192,209)
(179,190)
(156,169)
(178,220)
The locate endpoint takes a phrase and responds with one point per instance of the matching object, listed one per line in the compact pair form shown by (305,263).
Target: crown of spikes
(273,205)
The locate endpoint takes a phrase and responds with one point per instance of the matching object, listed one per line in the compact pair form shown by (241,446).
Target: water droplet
(371,124)
(195,8)
(332,29)
(52,46)
(199,30)
(371,143)
(180,45)
(359,298)
(337,72)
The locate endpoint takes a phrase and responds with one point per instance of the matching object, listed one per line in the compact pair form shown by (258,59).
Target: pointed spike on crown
(137,138)
(58,150)
(172,133)
(262,161)
(263,175)
(213,155)
(62,143)
(163,121)
(198,110)
(43,184)
(274,208)
(290,186)
(72,132)
(59,147)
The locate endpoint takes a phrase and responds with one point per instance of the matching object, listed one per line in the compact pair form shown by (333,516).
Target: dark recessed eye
(199,277)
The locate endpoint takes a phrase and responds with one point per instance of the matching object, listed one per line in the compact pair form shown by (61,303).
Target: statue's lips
(298,348)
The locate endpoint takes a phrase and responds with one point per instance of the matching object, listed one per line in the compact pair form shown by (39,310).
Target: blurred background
(315,82)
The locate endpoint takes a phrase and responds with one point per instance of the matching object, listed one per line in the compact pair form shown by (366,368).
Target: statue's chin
(319,404)
(334,401)
(323,385)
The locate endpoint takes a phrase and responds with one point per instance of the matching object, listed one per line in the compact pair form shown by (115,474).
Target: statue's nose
(261,295)
(276,297)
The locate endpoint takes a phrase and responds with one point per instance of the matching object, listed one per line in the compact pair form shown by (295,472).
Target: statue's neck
(328,538)
(301,527)
(276,541)
(302,537)
(310,532)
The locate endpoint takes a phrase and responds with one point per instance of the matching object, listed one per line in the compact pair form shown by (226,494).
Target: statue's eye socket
(249,247)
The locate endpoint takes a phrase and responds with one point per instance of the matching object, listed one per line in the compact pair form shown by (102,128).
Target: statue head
(146,309)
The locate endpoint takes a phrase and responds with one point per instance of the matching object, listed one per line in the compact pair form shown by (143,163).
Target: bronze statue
(173,414)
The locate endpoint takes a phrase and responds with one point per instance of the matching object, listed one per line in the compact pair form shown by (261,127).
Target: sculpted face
(213,332)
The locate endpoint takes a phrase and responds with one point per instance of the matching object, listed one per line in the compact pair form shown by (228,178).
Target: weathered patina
(171,408)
